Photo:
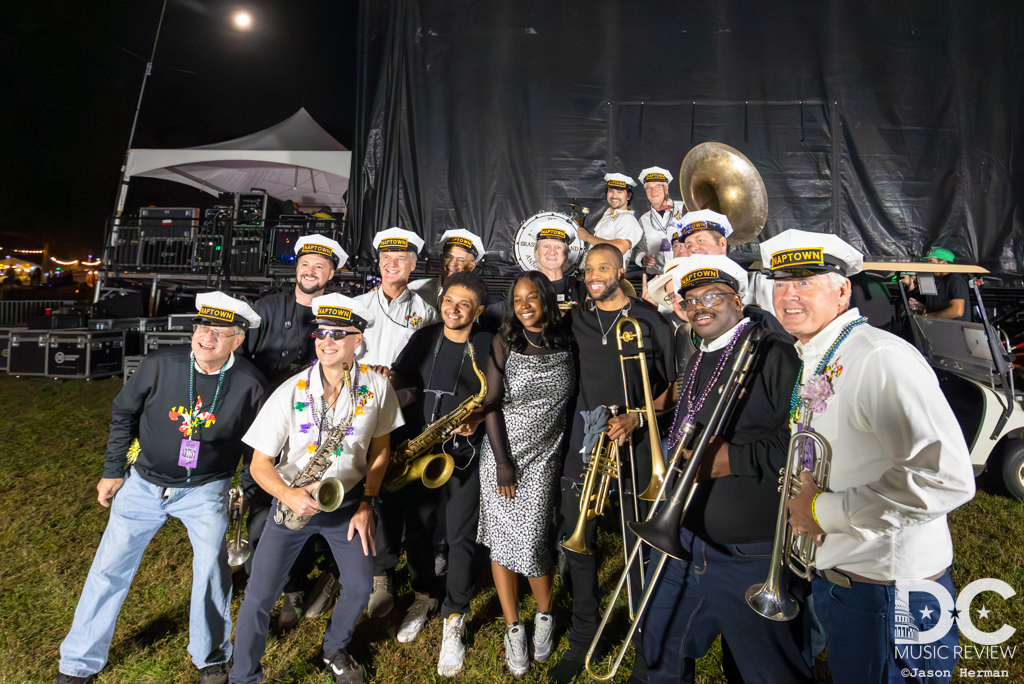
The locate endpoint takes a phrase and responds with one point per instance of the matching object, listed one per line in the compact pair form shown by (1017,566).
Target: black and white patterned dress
(537,388)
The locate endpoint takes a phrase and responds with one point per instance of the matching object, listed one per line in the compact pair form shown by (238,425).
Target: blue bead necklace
(794,403)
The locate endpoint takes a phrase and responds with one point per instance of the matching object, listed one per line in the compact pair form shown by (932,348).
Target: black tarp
(478,114)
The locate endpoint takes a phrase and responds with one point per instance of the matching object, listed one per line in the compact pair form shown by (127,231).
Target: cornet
(238,548)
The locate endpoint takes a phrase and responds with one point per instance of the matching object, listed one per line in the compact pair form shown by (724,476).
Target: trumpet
(658,471)
(601,468)
(238,548)
(772,599)
(661,529)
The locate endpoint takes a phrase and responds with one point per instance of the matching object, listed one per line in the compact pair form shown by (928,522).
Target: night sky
(72,72)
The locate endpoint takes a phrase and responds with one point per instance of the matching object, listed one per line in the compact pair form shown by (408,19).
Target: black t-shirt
(283,342)
(599,373)
(152,404)
(950,286)
(741,508)
(430,361)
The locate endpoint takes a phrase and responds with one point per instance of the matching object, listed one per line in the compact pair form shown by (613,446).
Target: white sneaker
(382,599)
(543,636)
(412,623)
(453,647)
(517,654)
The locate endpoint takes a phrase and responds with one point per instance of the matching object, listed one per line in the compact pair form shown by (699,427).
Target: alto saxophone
(330,492)
(410,461)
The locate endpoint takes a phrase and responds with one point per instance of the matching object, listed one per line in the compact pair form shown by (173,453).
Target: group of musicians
(307,382)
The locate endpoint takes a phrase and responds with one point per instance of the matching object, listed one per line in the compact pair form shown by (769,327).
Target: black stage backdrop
(896,125)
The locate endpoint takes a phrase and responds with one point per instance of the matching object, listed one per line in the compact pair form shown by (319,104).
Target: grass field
(52,438)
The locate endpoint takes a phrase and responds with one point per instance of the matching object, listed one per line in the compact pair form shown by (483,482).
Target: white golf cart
(975,369)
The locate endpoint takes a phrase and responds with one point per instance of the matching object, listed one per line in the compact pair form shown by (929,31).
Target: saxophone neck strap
(439,393)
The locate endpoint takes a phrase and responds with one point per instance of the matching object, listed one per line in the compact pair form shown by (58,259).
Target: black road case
(86,354)
(27,352)
(158,340)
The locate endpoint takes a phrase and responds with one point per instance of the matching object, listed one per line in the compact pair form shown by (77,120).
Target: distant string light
(92,263)
(63,263)
(28,251)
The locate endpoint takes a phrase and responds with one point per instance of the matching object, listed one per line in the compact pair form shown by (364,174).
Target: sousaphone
(718,177)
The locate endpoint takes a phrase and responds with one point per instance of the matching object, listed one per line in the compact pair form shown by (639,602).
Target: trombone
(772,599)
(661,529)
(658,473)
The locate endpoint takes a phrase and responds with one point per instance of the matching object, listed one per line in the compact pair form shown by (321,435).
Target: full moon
(243,20)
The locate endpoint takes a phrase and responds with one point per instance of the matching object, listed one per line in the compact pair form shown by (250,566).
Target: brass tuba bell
(718,177)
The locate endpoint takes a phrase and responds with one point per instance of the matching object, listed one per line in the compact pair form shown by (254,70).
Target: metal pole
(122,191)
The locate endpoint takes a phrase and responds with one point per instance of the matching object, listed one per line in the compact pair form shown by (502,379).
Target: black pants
(582,568)
(275,556)
(415,512)
(298,575)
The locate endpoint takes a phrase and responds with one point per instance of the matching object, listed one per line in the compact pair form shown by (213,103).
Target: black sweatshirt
(418,368)
(284,341)
(741,508)
(149,407)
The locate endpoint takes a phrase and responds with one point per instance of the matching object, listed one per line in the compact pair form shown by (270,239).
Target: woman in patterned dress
(530,379)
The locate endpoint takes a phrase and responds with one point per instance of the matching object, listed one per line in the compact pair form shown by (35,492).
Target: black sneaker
(343,667)
(214,674)
(68,679)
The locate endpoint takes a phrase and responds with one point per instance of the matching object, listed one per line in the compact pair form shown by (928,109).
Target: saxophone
(410,460)
(330,492)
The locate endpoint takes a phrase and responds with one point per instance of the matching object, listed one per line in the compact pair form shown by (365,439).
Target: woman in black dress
(530,379)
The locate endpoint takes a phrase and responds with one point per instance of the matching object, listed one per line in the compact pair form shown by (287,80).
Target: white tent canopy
(295,160)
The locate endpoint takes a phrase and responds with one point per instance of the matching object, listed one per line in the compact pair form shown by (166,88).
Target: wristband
(814,513)
(367,499)
(640,415)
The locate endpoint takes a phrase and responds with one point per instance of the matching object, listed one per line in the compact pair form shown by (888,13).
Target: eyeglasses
(709,300)
(459,261)
(217,335)
(334,334)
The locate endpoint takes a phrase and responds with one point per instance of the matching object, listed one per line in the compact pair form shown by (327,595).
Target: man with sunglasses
(188,410)
(730,525)
(338,398)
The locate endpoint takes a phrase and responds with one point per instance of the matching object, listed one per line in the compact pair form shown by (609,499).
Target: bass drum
(526,240)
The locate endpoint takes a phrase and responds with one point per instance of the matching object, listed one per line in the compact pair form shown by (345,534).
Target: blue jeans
(859,624)
(139,509)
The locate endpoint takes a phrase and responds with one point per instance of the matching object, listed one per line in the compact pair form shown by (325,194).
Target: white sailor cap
(660,287)
(464,239)
(800,254)
(218,309)
(338,310)
(321,245)
(619,180)
(397,240)
(655,174)
(704,269)
(696,221)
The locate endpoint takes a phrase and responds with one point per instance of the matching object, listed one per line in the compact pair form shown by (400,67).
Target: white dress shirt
(393,324)
(283,427)
(657,239)
(899,460)
(619,225)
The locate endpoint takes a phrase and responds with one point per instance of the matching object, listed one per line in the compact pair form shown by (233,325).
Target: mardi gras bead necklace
(693,407)
(795,408)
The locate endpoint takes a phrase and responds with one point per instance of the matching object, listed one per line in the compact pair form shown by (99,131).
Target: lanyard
(436,392)
(196,428)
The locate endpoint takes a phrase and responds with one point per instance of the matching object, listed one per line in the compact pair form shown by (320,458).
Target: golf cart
(974,364)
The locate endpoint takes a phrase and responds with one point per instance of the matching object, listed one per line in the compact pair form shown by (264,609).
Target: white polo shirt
(760,291)
(619,225)
(899,460)
(393,324)
(657,237)
(285,424)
